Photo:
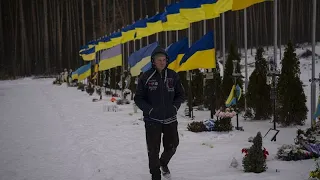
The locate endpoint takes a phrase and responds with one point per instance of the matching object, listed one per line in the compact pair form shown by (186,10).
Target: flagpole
(246,55)
(204,79)
(223,41)
(313,84)
(147,36)
(189,75)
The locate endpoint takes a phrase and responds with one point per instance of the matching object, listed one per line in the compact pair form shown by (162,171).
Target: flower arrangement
(223,122)
(228,113)
(265,152)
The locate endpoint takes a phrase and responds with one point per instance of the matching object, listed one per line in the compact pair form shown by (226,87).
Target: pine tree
(291,99)
(228,80)
(197,87)
(255,161)
(213,90)
(258,94)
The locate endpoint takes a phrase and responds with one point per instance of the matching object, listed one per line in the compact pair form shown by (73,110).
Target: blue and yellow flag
(74,75)
(154,24)
(172,19)
(200,55)
(239,5)
(84,71)
(116,38)
(222,6)
(140,58)
(89,54)
(104,43)
(110,58)
(208,7)
(128,33)
(192,10)
(176,51)
(232,99)
(141,29)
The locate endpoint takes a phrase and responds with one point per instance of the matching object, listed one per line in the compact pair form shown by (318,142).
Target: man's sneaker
(165,172)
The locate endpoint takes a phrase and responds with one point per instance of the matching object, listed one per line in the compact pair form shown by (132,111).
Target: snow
(57,133)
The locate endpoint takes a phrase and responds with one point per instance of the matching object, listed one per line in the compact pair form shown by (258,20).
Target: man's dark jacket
(159,95)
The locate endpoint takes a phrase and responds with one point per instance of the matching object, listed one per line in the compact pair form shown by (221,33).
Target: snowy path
(56,133)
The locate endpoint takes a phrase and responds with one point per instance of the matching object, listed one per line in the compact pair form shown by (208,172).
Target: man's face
(160,62)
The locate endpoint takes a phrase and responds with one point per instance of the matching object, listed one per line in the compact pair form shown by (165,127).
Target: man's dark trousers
(170,141)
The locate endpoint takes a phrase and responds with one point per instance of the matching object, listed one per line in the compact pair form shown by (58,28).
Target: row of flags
(181,58)
(177,16)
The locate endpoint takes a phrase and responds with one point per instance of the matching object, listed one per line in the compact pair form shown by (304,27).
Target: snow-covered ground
(50,132)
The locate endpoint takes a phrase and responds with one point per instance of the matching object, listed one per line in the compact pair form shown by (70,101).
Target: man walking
(159,95)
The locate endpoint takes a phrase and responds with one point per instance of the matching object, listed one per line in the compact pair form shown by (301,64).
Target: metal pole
(275,4)
(189,81)
(166,38)
(177,36)
(313,84)
(246,55)
(223,40)
(204,79)
(279,8)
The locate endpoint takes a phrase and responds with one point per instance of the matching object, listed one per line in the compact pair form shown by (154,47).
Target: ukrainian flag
(192,10)
(74,75)
(141,58)
(141,29)
(200,55)
(89,54)
(176,51)
(116,38)
(208,7)
(232,98)
(154,24)
(84,71)
(222,6)
(172,19)
(239,5)
(128,33)
(110,58)
(104,43)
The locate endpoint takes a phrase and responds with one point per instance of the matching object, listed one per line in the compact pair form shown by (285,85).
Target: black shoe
(165,171)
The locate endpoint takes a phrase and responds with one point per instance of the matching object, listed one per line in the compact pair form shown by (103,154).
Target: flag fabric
(154,24)
(141,28)
(176,51)
(172,19)
(239,5)
(116,38)
(222,6)
(74,75)
(110,58)
(200,55)
(146,67)
(128,33)
(232,97)
(89,54)
(84,71)
(104,43)
(192,10)
(140,58)
(208,7)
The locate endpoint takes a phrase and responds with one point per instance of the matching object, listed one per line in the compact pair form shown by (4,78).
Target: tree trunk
(83,24)
(46,37)
(93,22)
(59,32)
